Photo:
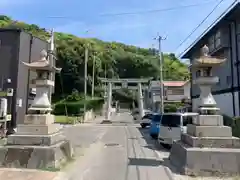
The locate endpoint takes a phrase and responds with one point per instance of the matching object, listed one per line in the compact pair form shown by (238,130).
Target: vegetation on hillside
(119,60)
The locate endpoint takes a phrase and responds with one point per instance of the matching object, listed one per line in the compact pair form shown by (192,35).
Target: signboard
(19,102)
(9,92)
(125,84)
(9,117)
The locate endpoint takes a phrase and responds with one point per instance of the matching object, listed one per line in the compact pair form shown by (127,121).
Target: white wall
(224,102)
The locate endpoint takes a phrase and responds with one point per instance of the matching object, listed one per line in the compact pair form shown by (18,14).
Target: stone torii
(124,82)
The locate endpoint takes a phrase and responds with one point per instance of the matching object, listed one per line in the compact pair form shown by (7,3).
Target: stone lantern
(208,148)
(42,67)
(205,80)
(38,143)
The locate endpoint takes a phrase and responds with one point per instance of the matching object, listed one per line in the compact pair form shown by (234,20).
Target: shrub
(76,108)
(234,123)
(172,107)
(227,120)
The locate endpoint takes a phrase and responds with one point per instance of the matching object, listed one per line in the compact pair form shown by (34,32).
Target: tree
(122,61)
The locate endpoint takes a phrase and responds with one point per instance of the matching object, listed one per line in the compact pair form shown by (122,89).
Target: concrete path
(122,152)
(23,174)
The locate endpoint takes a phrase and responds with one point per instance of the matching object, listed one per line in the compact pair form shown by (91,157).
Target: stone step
(35,140)
(211,142)
(35,157)
(209,131)
(208,120)
(195,161)
(33,129)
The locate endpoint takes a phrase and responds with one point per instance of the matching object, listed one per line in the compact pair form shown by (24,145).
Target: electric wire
(137,12)
(196,28)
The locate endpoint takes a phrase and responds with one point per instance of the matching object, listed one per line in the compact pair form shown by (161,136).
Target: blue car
(154,126)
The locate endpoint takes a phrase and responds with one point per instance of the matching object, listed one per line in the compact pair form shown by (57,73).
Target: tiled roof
(174,83)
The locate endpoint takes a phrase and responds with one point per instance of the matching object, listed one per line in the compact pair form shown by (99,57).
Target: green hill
(120,60)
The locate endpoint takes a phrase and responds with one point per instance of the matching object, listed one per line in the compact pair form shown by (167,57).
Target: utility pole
(159,39)
(93,75)
(85,80)
(51,60)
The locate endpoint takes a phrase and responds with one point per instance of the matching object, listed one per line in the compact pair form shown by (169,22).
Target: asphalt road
(120,151)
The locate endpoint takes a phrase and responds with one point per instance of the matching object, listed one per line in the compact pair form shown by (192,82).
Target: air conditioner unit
(33,91)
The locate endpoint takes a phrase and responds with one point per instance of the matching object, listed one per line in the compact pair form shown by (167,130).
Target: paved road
(121,151)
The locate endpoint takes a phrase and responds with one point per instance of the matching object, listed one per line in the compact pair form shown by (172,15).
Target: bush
(227,120)
(76,108)
(234,123)
(172,107)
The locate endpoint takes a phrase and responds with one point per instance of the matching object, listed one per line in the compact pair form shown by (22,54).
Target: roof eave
(186,52)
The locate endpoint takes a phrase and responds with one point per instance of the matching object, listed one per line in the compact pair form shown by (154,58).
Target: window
(198,73)
(217,39)
(171,120)
(156,118)
(147,116)
(211,43)
(187,120)
(176,91)
(238,28)
(229,80)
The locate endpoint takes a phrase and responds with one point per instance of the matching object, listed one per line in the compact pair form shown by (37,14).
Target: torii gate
(124,84)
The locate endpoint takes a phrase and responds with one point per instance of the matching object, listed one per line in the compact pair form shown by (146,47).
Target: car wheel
(154,136)
(166,146)
(143,125)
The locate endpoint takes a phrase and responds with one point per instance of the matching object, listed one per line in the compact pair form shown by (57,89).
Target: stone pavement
(24,174)
(122,152)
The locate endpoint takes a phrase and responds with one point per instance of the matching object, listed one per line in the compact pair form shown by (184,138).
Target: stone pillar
(104,107)
(140,100)
(109,101)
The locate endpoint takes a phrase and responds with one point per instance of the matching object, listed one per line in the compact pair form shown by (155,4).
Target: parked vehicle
(146,120)
(136,114)
(172,125)
(154,125)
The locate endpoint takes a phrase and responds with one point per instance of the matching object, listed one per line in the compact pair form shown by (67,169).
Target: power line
(196,28)
(137,12)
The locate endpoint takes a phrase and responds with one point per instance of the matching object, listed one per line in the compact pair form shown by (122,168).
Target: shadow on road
(155,146)
(144,162)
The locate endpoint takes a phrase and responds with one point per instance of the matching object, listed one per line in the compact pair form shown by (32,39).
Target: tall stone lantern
(203,66)
(208,148)
(38,143)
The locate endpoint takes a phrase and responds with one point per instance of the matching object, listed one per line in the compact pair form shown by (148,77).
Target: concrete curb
(61,176)
(169,173)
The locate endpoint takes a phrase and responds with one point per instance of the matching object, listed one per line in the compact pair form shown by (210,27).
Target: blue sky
(137,29)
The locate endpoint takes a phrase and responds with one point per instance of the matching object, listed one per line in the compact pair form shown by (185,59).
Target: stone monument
(38,143)
(208,148)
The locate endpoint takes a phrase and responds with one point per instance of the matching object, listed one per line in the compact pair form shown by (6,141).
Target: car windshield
(156,118)
(171,120)
(147,116)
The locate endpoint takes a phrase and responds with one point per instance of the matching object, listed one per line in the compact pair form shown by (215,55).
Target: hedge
(76,108)
(234,123)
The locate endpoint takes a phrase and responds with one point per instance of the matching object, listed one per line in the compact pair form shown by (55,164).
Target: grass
(67,119)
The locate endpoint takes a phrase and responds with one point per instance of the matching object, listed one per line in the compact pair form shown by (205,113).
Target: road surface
(121,151)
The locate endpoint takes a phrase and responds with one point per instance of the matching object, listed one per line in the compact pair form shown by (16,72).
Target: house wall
(9,49)
(187,90)
(29,51)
